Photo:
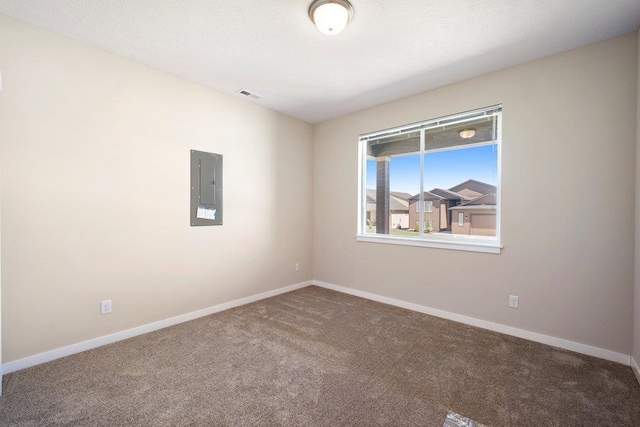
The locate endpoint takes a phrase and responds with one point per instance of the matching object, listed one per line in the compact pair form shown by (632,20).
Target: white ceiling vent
(247,93)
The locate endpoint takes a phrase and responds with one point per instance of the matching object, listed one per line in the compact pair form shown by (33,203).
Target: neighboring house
(442,207)
(434,207)
(476,217)
(398,208)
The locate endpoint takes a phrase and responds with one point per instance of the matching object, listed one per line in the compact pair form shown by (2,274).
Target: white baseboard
(508,330)
(48,356)
(636,369)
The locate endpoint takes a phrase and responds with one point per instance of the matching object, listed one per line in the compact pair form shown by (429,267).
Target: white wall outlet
(513,301)
(105,306)
(297,266)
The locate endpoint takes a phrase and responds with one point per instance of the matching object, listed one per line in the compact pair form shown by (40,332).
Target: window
(418,180)
(427,206)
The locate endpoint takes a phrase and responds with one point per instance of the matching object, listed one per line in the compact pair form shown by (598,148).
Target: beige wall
(636,320)
(95,194)
(568,134)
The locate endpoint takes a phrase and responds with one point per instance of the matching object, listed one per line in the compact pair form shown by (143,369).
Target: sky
(443,169)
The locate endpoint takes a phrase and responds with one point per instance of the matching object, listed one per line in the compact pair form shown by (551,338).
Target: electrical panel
(206,188)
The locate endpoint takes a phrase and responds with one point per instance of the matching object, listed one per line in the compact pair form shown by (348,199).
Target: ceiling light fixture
(331,16)
(467,133)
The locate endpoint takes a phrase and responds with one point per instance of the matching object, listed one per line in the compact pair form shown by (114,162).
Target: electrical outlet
(297,266)
(513,301)
(105,307)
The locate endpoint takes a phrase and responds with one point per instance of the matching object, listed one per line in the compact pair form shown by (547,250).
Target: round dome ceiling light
(467,133)
(331,16)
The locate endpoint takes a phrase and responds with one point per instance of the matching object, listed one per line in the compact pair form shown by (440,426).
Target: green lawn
(396,232)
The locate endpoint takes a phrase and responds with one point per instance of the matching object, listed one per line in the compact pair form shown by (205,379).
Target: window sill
(457,245)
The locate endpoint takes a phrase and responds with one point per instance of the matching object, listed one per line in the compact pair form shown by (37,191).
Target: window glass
(392,163)
(438,179)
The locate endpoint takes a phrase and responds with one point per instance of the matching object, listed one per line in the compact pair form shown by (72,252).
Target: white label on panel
(206,213)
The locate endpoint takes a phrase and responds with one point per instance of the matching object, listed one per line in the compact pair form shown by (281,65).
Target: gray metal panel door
(207,182)
(206,189)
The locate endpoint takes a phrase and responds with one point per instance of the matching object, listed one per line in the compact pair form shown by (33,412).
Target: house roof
(427,196)
(396,203)
(400,201)
(400,195)
(447,194)
(486,201)
(371,196)
(475,186)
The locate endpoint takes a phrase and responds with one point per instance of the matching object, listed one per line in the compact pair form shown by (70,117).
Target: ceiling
(391,49)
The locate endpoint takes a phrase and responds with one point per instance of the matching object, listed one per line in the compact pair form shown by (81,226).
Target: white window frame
(456,242)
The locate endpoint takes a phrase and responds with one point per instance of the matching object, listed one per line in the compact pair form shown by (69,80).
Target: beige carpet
(315,357)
